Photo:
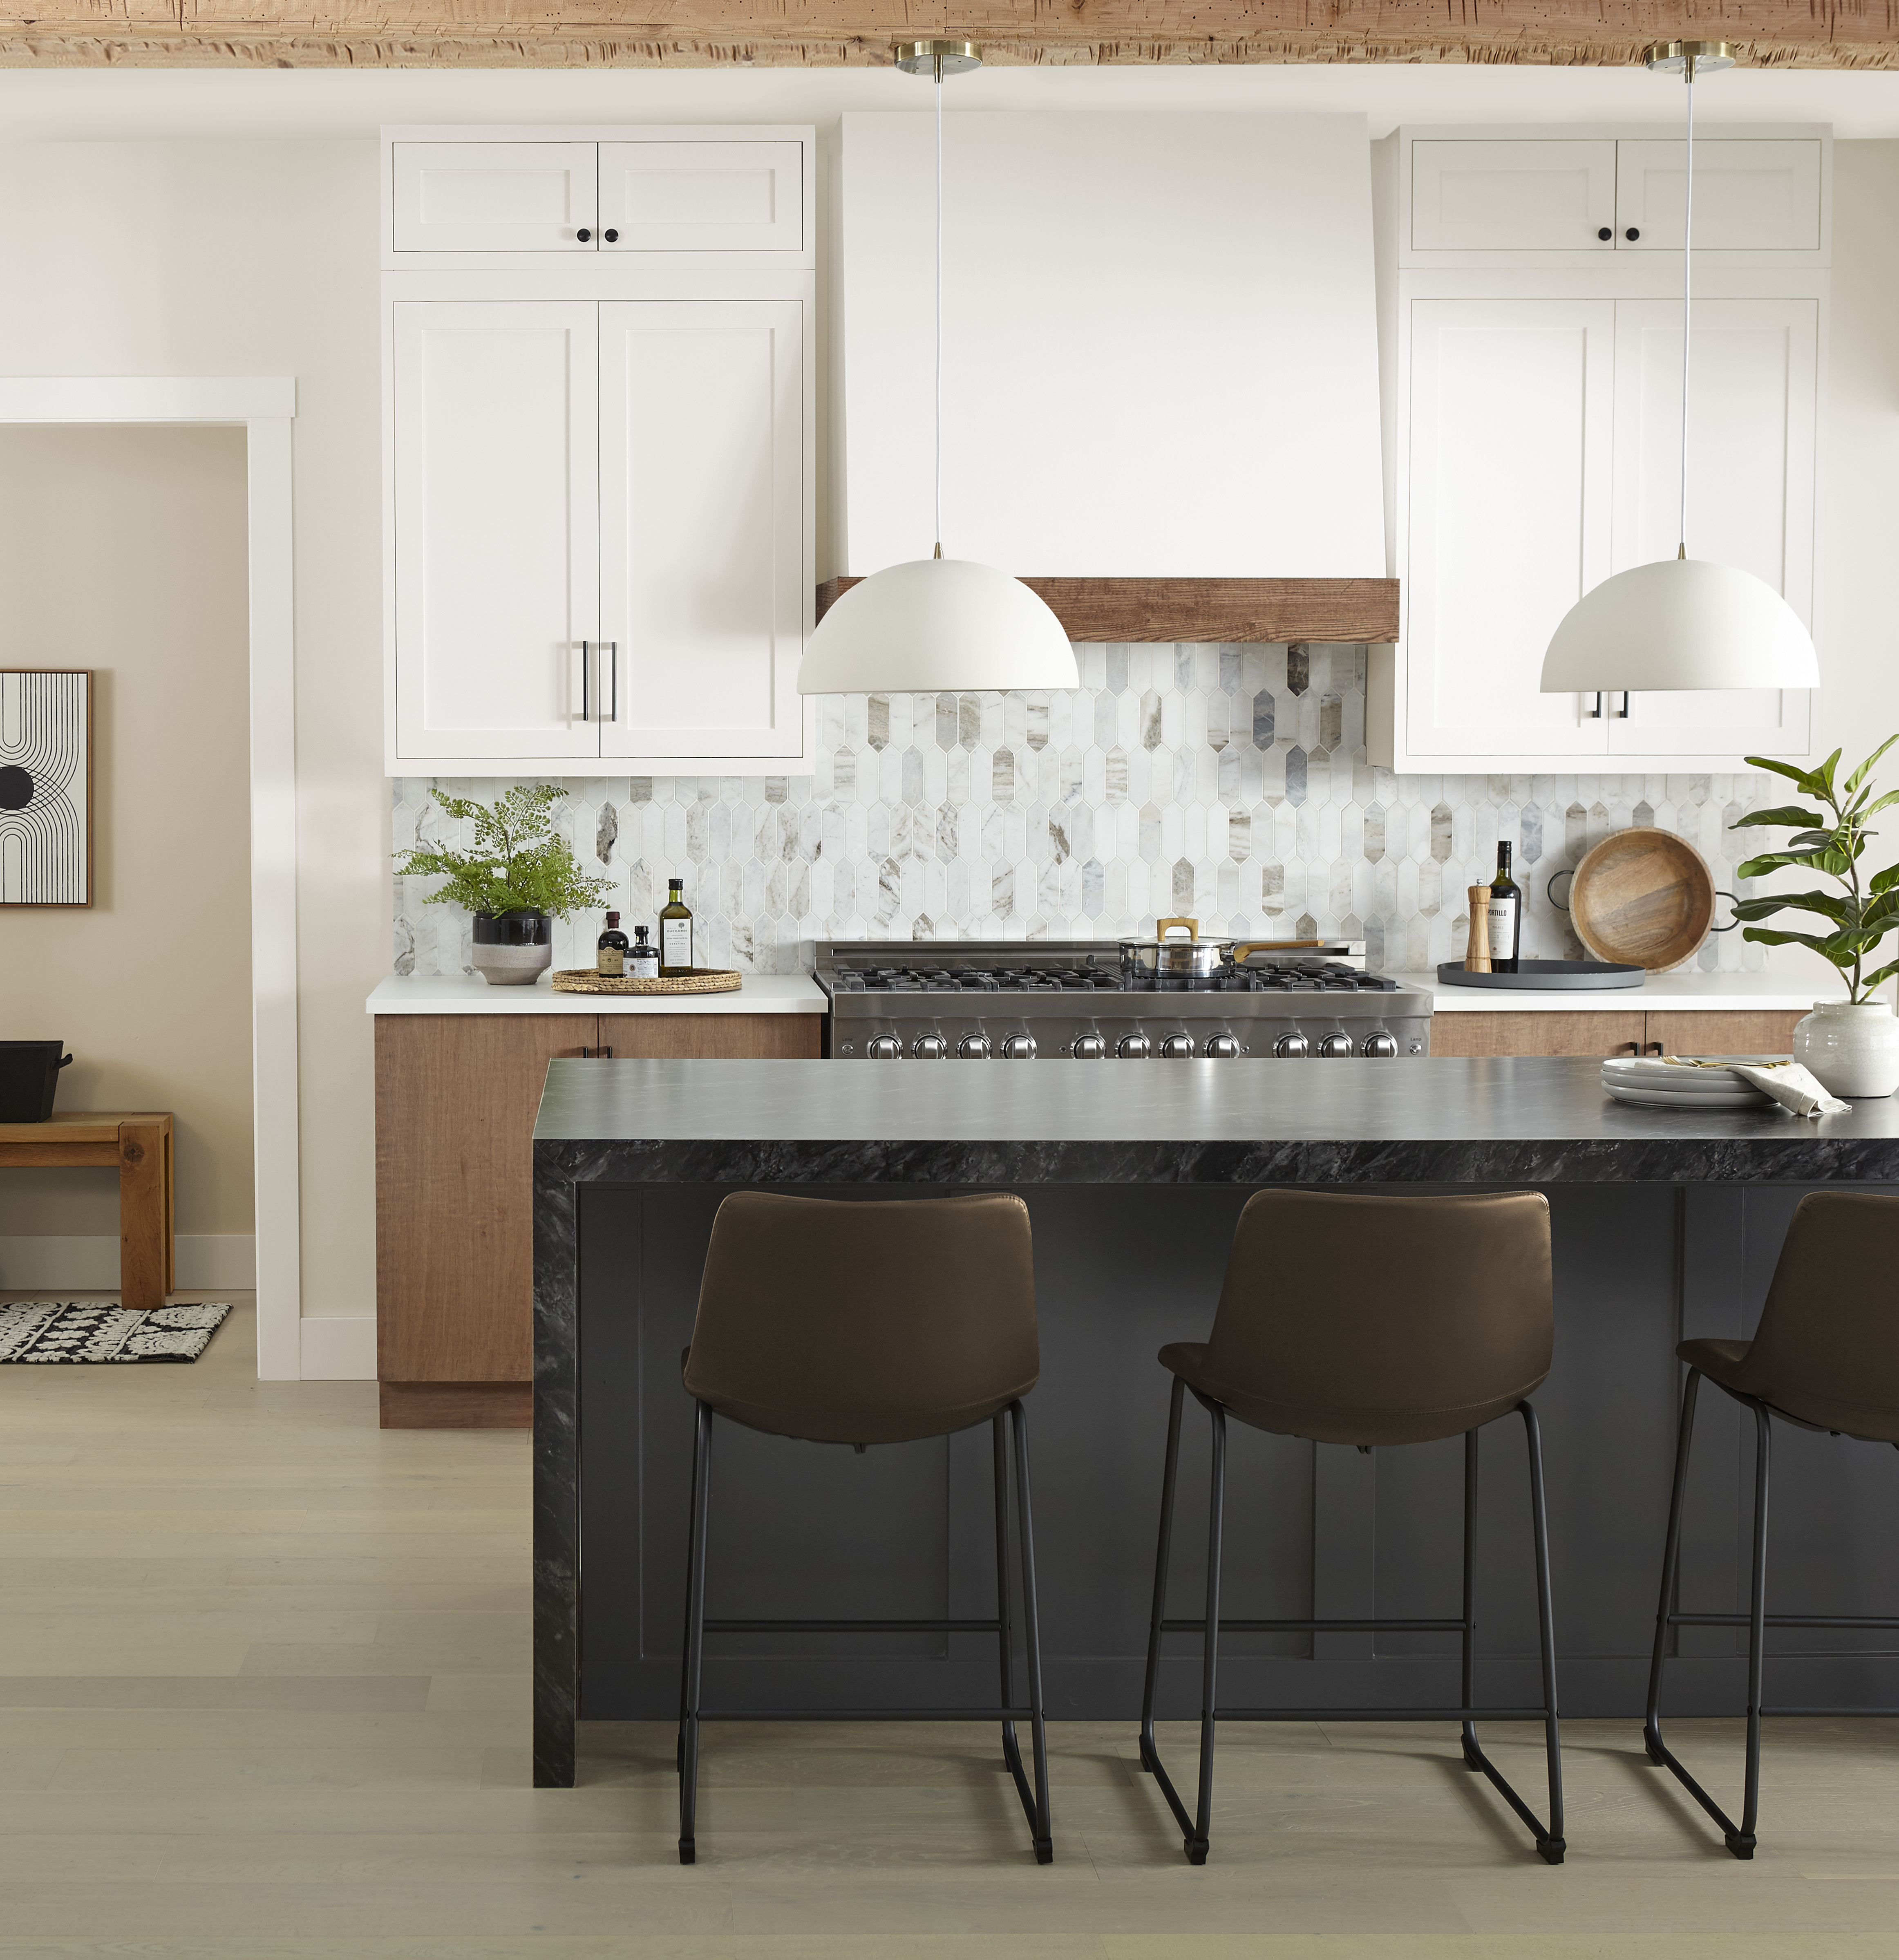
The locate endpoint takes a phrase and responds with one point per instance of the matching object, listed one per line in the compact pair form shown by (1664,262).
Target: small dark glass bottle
(1507,915)
(643,963)
(675,933)
(611,959)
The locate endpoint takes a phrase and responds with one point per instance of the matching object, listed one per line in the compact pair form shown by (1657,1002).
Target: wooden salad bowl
(1643,897)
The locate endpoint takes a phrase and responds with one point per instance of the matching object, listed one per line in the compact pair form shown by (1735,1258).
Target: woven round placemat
(701,980)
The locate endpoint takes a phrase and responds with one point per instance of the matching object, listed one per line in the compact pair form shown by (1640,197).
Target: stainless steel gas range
(1013,1001)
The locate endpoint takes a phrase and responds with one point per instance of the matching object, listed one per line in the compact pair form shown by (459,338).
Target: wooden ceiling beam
(832,33)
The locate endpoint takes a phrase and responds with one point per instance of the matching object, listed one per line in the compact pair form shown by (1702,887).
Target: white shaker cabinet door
(1497,195)
(1511,430)
(494,197)
(702,580)
(497,528)
(1751,492)
(1757,196)
(702,197)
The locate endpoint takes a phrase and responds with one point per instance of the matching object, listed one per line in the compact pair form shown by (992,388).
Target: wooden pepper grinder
(1477,955)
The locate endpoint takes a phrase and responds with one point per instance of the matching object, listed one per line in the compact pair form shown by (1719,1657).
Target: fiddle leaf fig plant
(519,863)
(1831,842)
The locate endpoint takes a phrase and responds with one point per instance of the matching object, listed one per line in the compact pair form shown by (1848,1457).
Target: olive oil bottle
(1507,915)
(675,933)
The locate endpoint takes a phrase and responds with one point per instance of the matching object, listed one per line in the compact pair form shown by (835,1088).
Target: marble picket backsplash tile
(1228,783)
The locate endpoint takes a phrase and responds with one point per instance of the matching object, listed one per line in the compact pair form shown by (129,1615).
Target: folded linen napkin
(1792,1086)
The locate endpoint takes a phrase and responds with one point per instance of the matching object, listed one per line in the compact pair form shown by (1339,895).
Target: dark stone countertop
(1531,1118)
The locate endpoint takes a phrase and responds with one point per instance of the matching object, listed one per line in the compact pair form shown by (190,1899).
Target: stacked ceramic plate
(1698,1082)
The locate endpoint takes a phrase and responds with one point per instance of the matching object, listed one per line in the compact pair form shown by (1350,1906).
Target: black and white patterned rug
(102,1330)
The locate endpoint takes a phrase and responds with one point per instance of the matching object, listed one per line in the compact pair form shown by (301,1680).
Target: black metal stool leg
(1550,1843)
(1005,1633)
(1209,1699)
(1670,1572)
(1742,1843)
(685,1629)
(1150,1757)
(1032,1635)
(695,1636)
(1473,1753)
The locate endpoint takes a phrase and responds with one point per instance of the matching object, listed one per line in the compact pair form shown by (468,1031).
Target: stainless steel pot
(1177,953)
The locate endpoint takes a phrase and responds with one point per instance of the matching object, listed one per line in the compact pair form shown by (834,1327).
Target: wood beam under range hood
(1234,610)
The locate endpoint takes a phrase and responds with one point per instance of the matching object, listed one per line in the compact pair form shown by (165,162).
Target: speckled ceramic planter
(514,948)
(1854,1051)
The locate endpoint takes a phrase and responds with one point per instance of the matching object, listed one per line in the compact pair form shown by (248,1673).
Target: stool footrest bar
(1830,1711)
(1862,1621)
(853,1626)
(1317,1626)
(1379,1715)
(861,1714)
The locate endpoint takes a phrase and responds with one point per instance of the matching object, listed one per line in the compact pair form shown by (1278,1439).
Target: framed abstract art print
(45,787)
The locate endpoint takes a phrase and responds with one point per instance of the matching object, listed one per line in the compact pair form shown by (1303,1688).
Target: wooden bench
(138,1147)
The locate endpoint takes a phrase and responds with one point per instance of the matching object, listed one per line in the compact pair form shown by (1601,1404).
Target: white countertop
(1765,993)
(469,993)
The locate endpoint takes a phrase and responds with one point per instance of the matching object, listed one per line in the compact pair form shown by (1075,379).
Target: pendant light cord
(1687,297)
(939,475)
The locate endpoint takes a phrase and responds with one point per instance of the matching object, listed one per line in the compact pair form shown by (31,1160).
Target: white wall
(1161,356)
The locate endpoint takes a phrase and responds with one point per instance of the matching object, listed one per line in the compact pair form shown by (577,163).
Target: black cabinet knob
(583,234)
(1632,234)
(611,237)
(1605,233)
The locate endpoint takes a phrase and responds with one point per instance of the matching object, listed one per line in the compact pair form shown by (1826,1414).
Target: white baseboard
(205,1261)
(339,1347)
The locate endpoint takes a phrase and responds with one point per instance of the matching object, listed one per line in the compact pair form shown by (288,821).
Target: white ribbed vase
(1853,1052)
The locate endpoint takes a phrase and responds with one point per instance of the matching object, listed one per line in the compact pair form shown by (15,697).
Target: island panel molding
(812,34)
(1238,611)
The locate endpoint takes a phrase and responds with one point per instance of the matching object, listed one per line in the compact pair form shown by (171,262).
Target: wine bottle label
(612,961)
(1503,925)
(676,942)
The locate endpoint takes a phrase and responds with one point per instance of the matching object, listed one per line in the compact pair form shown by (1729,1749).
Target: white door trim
(264,406)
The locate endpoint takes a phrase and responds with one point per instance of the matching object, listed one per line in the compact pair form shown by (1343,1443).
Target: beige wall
(124,550)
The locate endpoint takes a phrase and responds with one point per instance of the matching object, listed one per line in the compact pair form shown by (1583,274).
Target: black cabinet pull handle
(583,234)
(1605,233)
(611,237)
(1652,1047)
(1632,234)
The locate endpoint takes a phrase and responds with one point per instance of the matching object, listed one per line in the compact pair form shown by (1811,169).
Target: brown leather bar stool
(863,1323)
(1449,1328)
(1824,1356)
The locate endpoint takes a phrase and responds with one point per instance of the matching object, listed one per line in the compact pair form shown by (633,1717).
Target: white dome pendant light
(1681,623)
(937,625)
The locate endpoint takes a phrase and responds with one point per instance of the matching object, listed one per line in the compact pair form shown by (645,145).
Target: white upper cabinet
(1511,432)
(702,578)
(494,197)
(702,197)
(1754,379)
(1749,196)
(496,528)
(1493,196)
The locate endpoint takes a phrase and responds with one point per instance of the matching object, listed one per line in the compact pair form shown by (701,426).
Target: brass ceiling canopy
(938,57)
(1697,57)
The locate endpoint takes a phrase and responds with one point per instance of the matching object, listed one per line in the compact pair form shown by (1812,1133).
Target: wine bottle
(611,958)
(676,934)
(1507,915)
(643,962)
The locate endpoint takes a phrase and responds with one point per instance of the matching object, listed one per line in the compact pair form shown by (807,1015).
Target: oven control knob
(1377,1045)
(1019,1047)
(1220,1048)
(884,1047)
(1290,1048)
(1089,1048)
(1133,1048)
(928,1047)
(1178,1047)
(974,1048)
(1332,1047)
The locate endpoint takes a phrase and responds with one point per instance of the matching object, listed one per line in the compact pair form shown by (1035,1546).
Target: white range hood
(1160,345)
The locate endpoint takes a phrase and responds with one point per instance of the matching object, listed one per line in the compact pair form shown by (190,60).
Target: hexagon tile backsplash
(1228,783)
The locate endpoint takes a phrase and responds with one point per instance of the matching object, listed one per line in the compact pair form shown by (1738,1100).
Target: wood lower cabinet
(456,1098)
(1626,1031)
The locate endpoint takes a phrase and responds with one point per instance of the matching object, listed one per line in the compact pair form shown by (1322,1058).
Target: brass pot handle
(1252,946)
(1161,925)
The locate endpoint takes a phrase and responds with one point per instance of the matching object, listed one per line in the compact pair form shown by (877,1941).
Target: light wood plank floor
(263,1693)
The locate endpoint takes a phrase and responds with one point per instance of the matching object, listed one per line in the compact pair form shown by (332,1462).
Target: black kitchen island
(1666,1225)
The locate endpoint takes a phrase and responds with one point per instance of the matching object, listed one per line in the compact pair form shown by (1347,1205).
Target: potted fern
(1852,1045)
(518,876)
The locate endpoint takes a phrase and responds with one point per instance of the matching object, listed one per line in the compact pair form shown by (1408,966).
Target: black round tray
(1547,976)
